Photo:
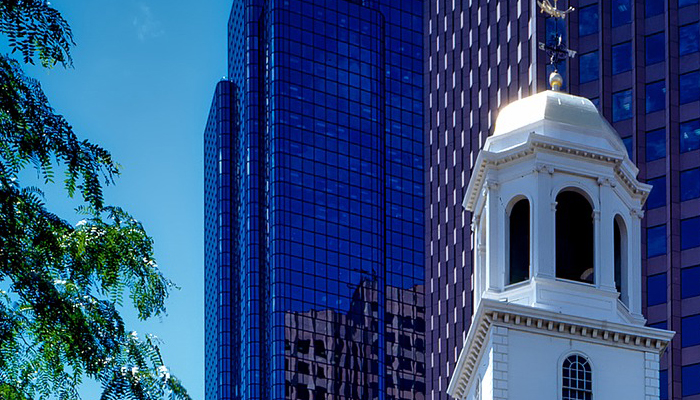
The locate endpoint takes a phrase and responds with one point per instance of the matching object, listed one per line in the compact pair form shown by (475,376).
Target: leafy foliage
(33,27)
(59,318)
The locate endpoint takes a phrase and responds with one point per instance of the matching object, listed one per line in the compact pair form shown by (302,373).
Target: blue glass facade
(219,201)
(326,223)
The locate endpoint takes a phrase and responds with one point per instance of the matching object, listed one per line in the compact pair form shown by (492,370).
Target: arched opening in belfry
(574,236)
(519,242)
(620,257)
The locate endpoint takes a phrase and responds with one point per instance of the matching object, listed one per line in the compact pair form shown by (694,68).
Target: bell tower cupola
(556,220)
(556,212)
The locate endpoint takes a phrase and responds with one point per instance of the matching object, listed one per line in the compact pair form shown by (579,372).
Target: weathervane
(556,49)
(552,10)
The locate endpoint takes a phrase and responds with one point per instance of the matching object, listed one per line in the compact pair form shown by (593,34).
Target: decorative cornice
(490,184)
(521,317)
(476,218)
(637,212)
(488,159)
(606,181)
(542,168)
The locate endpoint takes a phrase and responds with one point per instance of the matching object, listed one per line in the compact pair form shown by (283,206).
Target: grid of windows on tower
(328,231)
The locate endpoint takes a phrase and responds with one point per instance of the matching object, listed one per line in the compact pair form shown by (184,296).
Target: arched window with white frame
(577,378)
(519,242)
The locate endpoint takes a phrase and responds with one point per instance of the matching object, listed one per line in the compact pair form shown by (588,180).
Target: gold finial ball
(556,81)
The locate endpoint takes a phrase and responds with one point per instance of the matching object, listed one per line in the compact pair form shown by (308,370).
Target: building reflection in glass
(331,354)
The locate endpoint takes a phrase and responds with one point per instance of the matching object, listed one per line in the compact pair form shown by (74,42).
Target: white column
(500,363)
(479,259)
(604,238)
(651,376)
(494,236)
(634,261)
(544,223)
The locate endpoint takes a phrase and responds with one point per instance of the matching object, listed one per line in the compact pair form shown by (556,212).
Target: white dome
(557,115)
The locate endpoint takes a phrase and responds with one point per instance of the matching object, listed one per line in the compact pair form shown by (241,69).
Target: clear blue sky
(141,86)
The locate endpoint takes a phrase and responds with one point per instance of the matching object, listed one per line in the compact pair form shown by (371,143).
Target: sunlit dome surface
(557,115)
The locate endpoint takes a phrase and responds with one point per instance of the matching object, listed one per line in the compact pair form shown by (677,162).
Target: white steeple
(550,148)
(557,272)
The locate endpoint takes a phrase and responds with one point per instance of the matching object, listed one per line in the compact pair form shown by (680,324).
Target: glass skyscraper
(314,262)
(639,62)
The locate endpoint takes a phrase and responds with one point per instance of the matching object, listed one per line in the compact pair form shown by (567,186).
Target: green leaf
(60,319)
